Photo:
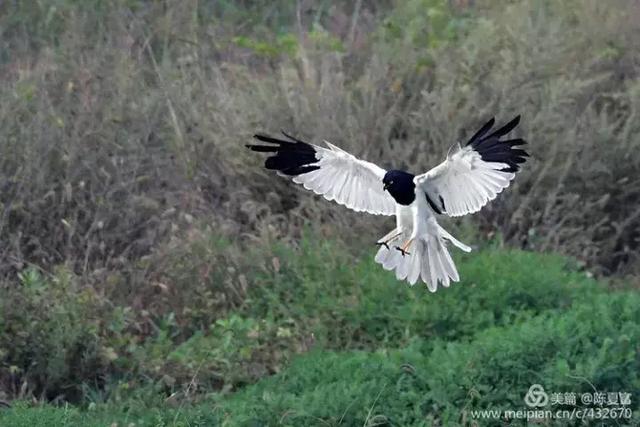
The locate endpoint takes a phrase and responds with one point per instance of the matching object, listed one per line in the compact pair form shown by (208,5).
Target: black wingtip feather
(514,142)
(293,138)
(294,157)
(494,150)
(270,139)
(484,129)
(506,128)
(261,148)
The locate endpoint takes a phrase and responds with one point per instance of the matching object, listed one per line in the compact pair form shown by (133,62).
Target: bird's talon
(383,244)
(402,251)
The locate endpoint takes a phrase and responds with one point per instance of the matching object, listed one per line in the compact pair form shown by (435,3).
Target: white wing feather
(473,175)
(354,183)
(464,182)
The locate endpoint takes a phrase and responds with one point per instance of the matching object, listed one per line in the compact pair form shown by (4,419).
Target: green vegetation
(151,272)
(441,382)
(61,338)
(381,351)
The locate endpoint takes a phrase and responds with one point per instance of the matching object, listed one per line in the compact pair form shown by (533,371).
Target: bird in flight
(469,177)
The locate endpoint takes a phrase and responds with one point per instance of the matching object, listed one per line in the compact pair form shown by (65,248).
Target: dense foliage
(63,341)
(365,350)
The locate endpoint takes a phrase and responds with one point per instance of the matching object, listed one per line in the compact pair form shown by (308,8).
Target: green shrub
(163,415)
(177,334)
(347,303)
(586,347)
(52,339)
(589,346)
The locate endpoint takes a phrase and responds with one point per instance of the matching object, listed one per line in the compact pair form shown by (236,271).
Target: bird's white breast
(404,217)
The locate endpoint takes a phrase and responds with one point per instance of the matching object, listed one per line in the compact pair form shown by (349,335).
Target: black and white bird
(463,183)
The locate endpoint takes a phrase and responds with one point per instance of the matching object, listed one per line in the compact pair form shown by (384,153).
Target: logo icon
(536,396)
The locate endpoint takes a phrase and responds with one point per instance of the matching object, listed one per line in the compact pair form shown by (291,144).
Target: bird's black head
(400,185)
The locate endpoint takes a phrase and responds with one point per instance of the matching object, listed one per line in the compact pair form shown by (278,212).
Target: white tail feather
(428,258)
(444,233)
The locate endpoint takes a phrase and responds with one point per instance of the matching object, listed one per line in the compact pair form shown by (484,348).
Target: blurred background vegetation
(146,257)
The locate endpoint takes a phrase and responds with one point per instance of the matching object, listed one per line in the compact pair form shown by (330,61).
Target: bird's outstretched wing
(331,172)
(473,175)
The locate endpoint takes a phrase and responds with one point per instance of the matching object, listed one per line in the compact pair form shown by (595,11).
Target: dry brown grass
(120,127)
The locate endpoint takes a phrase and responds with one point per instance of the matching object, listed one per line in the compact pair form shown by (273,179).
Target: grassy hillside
(361,349)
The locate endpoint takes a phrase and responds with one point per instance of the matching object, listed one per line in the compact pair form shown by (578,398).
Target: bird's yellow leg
(407,244)
(404,247)
(391,239)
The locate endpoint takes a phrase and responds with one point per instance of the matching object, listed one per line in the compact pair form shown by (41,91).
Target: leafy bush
(348,304)
(52,337)
(62,339)
(589,346)
(162,415)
